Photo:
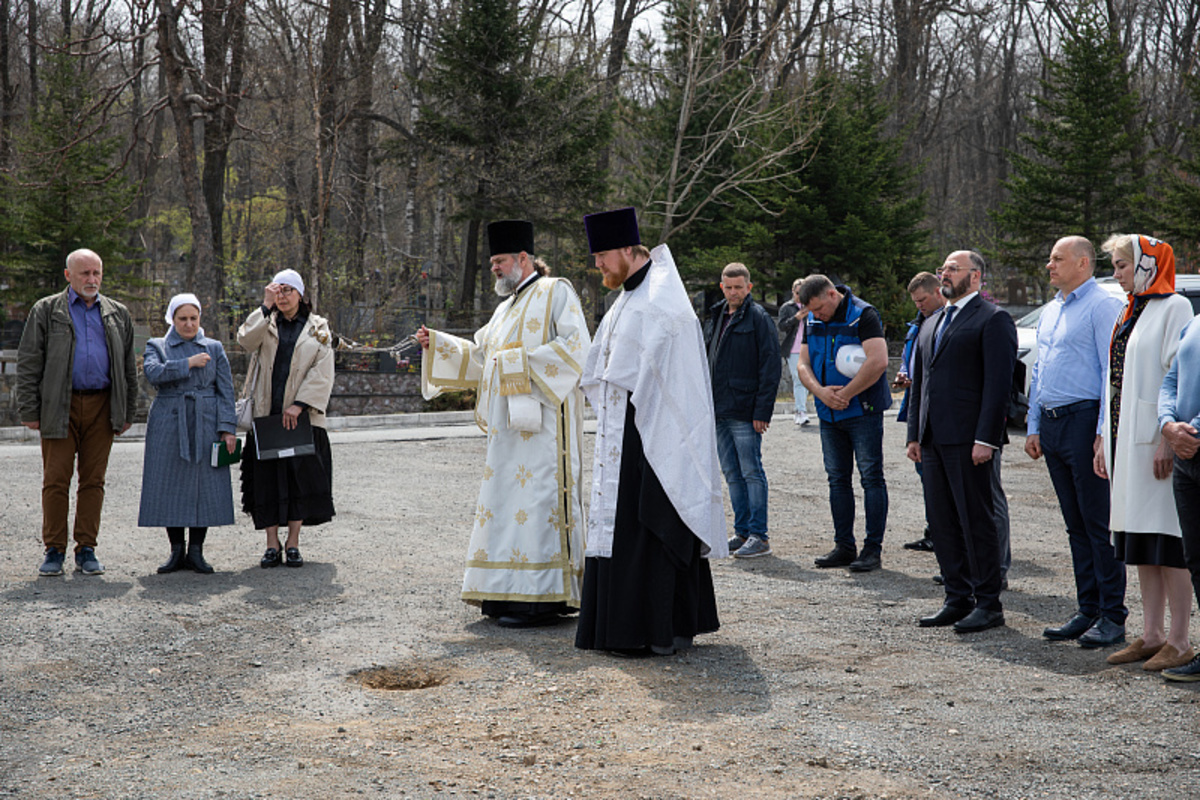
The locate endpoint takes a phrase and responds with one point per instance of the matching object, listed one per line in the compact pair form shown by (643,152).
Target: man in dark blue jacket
(744,365)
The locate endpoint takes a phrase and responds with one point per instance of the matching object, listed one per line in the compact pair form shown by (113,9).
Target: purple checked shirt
(91,347)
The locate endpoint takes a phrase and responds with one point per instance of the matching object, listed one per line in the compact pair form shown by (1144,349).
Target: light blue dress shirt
(1073,337)
(1179,398)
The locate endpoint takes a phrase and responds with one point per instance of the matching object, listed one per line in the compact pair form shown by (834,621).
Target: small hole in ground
(399,679)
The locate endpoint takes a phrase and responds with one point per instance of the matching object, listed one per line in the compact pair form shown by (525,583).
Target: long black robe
(655,587)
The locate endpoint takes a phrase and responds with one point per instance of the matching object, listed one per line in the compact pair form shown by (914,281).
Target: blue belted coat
(180,487)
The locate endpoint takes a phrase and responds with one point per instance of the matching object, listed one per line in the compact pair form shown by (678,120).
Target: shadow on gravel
(270,588)
(72,590)
(704,679)
(1030,569)
(774,567)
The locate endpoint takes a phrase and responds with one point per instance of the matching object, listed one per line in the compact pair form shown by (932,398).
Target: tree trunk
(204,277)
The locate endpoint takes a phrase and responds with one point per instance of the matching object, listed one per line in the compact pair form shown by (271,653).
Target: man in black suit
(961,375)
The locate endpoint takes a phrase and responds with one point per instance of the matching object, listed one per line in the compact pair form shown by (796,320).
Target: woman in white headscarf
(292,356)
(193,409)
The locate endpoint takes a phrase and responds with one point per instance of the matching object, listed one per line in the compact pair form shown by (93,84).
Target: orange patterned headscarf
(1153,272)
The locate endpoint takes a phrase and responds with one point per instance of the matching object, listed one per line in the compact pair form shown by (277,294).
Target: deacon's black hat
(610,230)
(510,236)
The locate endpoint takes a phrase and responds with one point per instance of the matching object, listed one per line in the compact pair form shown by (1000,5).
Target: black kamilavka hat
(610,230)
(510,236)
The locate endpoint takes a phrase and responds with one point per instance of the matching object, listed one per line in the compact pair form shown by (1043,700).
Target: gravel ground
(363,674)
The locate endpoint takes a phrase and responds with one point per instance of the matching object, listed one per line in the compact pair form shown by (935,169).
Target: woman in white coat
(1135,458)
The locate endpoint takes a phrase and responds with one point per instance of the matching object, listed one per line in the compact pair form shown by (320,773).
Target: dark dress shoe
(271,558)
(979,620)
(837,557)
(947,616)
(1073,628)
(533,620)
(939,580)
(867,562)
(293,557)
(1103,633)
(924,544)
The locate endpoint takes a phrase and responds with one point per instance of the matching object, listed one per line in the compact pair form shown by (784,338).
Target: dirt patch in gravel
(363,673)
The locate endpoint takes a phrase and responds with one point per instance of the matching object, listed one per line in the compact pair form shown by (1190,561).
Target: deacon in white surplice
(525,558)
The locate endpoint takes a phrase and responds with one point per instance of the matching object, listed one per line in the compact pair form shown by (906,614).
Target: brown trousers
(90,436)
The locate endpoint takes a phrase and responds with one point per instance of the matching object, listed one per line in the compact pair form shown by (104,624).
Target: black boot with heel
(175,561)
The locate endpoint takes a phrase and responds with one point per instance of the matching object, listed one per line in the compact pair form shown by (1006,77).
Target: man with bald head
(77,387)
(1064,425)
(961,371)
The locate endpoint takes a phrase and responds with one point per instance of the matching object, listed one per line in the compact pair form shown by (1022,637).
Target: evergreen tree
(849,210)
(66,192)
(1178,209)
(522,140)
(1080,175)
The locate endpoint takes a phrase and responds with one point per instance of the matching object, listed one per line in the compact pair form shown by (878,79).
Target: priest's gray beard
(507,284)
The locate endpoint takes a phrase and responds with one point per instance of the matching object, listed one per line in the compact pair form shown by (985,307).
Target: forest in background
(202,145)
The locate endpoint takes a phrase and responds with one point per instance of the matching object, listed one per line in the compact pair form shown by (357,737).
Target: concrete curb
(422,419)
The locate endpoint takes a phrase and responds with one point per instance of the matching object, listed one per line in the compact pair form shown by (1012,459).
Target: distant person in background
(743,362)
(1179,421)
(1064,424)
(292,353)
(926,294)
(791,316)
(1135,459)
(192,410)
(77,386)
(851,410)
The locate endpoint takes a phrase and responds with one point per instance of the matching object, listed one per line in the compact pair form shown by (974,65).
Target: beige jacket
(310,379)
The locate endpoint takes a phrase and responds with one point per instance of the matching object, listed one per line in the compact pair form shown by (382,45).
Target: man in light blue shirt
(1179,420)
(1068,380)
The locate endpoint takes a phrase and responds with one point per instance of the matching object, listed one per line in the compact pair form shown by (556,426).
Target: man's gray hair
(813,287)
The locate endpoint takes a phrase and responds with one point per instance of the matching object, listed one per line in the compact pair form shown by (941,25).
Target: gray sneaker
(85,562)
(753,548)
(53,565)
(736,542)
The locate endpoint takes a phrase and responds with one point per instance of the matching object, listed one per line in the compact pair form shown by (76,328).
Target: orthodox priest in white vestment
(656,513)
(525,557)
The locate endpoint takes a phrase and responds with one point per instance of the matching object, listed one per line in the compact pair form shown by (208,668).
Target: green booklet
(221,457)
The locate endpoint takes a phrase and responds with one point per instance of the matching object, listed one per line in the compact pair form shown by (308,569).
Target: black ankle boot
(175,562)
(195,559)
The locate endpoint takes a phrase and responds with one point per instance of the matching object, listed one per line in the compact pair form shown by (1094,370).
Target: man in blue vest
(843,363)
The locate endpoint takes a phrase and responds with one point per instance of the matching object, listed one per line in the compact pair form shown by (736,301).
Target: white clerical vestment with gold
(528,538)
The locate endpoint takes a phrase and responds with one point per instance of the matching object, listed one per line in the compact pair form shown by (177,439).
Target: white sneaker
(802,419)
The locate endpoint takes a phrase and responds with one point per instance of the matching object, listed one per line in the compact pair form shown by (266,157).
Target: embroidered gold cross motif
(488,472)
(482,515)
(521,517)
(551,370)
(523,475)
(446,350)
(481,555)
(526,435)
(533,325)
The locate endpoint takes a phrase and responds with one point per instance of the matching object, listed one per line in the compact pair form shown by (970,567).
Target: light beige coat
(310,379)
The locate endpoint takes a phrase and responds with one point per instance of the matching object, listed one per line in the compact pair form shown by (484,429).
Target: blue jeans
(1099,577)
(739,447)
(801,394)
(842,443)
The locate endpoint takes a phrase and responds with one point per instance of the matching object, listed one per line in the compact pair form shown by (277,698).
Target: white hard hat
(849,359)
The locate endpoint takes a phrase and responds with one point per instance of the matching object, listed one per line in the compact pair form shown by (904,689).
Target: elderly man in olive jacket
(77,386)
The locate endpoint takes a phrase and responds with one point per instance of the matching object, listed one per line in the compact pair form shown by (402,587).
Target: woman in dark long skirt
(292,363)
